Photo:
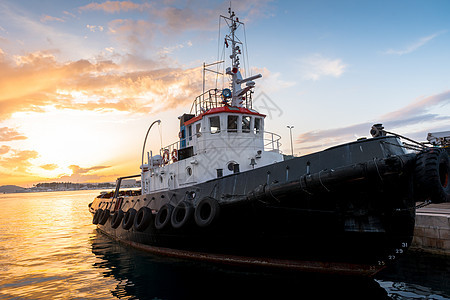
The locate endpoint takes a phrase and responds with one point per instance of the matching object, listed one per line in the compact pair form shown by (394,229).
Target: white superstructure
(222,135)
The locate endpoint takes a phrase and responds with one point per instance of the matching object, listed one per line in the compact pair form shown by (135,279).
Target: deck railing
(272,141)
(213,98)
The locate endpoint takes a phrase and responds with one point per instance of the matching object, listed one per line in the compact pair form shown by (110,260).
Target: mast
(234,71)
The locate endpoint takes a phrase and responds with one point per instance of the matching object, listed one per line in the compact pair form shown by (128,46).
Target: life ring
(432,175)
(143,218)
(128,219)
(97,215)
(174,155)
(116,219)
(207,212)
(104,217)
(181,214)
(166,156)
(162,219)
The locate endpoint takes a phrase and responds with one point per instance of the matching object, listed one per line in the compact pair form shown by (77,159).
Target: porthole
(189,171)
(231,165)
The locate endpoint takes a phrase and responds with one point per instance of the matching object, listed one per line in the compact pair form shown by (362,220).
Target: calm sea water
(49,249)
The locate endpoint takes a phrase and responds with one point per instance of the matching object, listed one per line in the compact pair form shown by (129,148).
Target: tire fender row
(204,214)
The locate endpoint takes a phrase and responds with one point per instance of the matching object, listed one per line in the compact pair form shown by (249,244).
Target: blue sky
(109,68)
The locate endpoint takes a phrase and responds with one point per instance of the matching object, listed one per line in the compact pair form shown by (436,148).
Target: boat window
(232,123)
(198,129)
(190,132)
(214,123)
(189,171)
(257,128)
(246,123)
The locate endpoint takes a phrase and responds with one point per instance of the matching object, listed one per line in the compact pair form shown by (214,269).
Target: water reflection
(141,275)
(49,249)
(417,276)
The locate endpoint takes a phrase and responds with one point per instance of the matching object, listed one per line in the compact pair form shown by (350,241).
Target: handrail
(213,98)
(271,142)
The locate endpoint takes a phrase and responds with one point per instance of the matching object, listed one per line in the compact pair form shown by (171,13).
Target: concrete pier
(432,231)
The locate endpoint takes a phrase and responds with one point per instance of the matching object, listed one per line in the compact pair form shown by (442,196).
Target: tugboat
(224,192)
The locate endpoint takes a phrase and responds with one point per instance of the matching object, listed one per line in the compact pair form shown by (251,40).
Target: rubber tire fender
(97,215)
(128,219)
(143,218)
(163,216)
(117,218)
(207,212)
(182,214)
(432,174)
(104,217)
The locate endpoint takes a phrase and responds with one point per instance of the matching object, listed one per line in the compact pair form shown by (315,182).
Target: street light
(292,147)
(145,141)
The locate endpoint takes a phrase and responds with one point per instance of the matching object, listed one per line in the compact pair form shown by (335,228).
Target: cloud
(78,170)
(416,45)
(271,81)
(9,134)
(94,28)
(419,107)
(80,174)
(36,80)
(4,149)
(18,161)
(49,167)
(415,113)
(47,18)
(134,33)
(316,66)
(112,7)
(169,50)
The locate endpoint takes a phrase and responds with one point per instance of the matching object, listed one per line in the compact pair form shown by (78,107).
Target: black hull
(348,209)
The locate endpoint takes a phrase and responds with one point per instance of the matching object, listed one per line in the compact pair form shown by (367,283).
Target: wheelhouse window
(198,129)
(246,123)
(232,123)
(258,126)
(214,124)
(190,132)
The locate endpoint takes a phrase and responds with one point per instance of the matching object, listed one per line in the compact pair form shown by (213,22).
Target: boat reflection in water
(141,275)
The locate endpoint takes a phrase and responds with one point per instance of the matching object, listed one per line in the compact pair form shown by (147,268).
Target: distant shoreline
(65,186)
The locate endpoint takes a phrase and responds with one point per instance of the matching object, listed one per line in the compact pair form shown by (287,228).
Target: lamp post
(292,147)
(145,141)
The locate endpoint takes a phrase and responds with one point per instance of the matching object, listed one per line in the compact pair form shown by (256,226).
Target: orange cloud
(9,134)
(85,174)
(4,149)
(115,6)
(36,80)
(78,170)
(49,167)
(18,161)
(48,18)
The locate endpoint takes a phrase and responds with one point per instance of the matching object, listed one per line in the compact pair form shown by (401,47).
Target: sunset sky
(81,81)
